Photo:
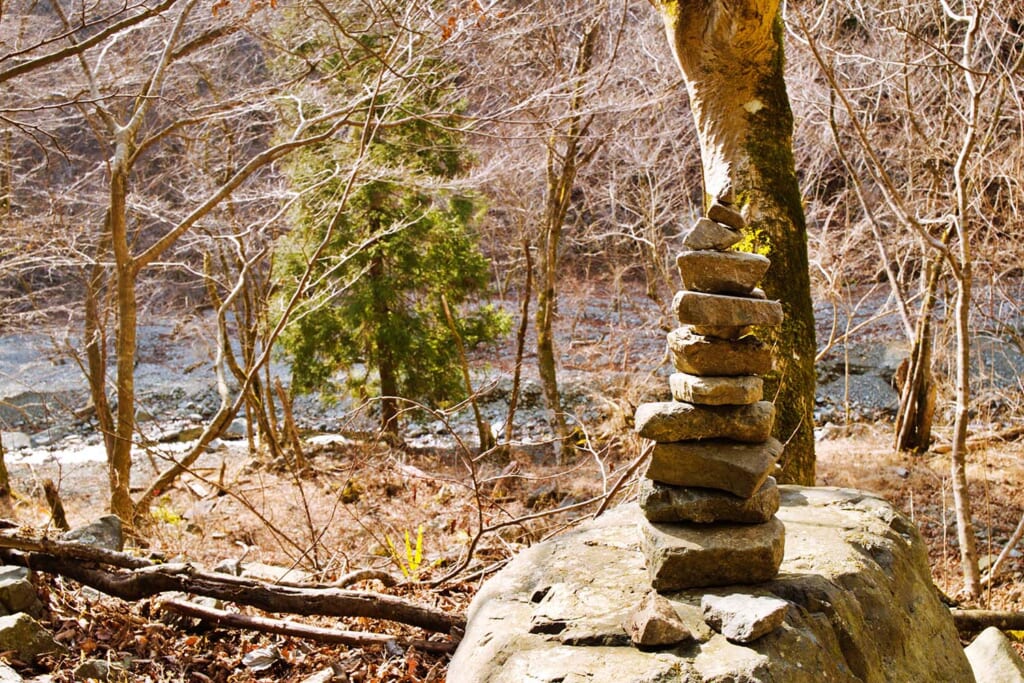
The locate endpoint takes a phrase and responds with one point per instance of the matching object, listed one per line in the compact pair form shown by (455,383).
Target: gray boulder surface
(855,573)
(105,532)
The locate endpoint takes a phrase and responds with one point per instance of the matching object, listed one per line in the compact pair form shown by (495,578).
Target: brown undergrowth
(354,505)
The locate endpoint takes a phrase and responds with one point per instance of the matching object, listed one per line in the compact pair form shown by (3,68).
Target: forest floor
(354,503)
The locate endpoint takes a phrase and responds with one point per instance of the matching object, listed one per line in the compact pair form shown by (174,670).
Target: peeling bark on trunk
(731,57)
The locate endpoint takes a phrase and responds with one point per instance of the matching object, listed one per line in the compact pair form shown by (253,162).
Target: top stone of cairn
(726,215)
(707,235)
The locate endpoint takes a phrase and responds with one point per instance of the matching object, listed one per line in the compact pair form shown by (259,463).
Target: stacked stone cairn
(708,498)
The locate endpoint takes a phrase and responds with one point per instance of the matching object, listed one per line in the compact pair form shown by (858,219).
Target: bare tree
(928,150)
(165,150)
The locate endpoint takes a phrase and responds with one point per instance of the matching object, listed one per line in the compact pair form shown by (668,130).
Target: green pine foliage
(402,240)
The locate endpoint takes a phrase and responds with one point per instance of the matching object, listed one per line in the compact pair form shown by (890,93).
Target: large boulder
(861,607)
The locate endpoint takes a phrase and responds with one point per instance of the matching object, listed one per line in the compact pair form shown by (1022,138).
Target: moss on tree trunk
(778,222)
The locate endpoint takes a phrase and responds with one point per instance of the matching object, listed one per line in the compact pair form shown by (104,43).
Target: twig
(291,628)
(624,477)
(1010,545)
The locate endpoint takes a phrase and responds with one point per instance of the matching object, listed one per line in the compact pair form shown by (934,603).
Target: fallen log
(977,620)
(291,628)
(133,579)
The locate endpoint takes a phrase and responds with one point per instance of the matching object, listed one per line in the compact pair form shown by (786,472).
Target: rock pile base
(860,608)
(709,499)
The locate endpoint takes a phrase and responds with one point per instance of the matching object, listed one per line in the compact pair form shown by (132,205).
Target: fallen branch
(290,628)
(365,575)
(1005,436)
(977,620)
(15,540)
(136,578)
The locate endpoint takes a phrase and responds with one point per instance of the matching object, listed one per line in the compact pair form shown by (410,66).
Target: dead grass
(339,514)
(920,487)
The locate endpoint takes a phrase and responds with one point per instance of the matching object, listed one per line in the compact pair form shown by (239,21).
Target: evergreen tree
(402,240)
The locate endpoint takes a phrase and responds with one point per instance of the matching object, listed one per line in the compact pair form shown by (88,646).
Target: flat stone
(727,215)
(9,675)
(105,532)
(719,310)
(743,618)
(681,556)
(666,503)
(655,623)
(721,272)
(14,441)
(273,573)
(19,595)
(707,234)
(26,636)
(739,468)
(677,421)
(993,658)
(700,355)
(716,391)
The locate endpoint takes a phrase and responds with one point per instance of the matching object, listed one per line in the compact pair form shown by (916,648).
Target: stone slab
(682,556)
(700,355)
(707,234)
(855,569)
(719,310)
(716,391)
(722,272)
(677,421)
(739,468)
(726,215)
(743,618)
(666,503)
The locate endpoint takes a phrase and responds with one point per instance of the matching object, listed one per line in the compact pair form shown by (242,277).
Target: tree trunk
(917,393)
(386,365)
(731,57)
(120,456)
(96,342)
(5,478)
(564,159)
(958,458)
